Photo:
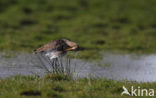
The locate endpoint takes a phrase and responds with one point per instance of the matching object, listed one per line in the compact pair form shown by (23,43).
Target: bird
(57,48)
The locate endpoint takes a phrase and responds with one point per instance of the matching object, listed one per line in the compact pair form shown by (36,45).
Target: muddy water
(141,68)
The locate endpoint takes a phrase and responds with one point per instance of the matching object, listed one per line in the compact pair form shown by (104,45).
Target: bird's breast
(55,54)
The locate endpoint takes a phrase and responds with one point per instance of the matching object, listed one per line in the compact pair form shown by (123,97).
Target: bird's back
(57,45)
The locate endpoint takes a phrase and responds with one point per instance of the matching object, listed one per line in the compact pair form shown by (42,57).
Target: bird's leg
(55,65)
(54,70)
(46,58)
(50,62)
(58,65)
(61,65)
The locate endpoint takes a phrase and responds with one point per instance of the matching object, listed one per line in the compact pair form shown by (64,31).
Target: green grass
(97,25)
(31,86)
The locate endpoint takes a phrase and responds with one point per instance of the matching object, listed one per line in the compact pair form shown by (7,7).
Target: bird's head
(73,46)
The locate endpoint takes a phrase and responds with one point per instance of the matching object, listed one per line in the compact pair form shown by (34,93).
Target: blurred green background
(97,25)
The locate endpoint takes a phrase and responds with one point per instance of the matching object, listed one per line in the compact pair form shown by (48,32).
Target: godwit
(57,48)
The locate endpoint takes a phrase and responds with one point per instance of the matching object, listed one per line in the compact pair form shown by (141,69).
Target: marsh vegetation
(57,87)
(97,25)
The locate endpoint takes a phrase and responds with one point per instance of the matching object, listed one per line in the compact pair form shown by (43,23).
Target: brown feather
(59,45)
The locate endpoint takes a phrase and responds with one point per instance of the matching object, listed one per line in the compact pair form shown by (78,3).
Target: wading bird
(57,48)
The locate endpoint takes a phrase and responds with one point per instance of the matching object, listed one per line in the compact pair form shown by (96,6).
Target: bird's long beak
(69,49)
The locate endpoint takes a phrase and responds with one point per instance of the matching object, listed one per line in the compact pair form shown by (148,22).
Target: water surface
(141,68)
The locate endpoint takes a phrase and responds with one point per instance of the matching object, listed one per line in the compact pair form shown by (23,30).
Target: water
(141,68)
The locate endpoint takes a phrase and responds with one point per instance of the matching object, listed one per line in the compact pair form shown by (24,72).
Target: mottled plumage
(57,48)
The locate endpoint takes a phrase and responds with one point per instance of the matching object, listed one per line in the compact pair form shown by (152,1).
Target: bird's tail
(38,50)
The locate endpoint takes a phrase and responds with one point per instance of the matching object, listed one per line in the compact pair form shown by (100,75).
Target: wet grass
(97,25)
(60,69)
(31,86)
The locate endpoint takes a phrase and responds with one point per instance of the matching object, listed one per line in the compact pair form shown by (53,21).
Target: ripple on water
(141,68)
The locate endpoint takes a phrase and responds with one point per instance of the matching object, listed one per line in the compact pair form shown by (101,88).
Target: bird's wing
(58,45)
(47,47)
